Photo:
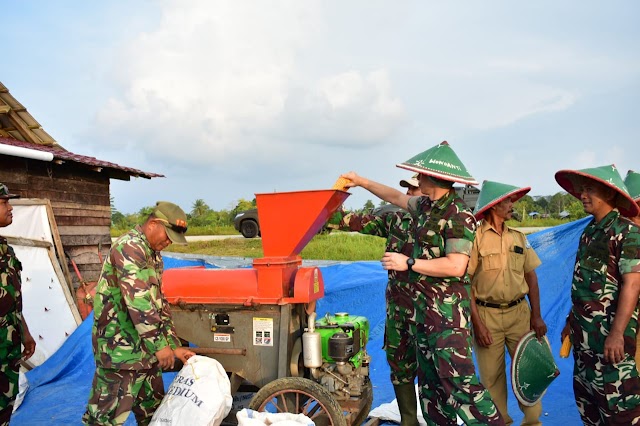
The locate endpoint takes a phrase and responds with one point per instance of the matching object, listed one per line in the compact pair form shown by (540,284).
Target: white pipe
(18,151)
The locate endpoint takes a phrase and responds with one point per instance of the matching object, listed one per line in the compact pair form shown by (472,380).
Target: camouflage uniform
(10,328)
(400,326)
(132,322)
(446,373)
(605,393)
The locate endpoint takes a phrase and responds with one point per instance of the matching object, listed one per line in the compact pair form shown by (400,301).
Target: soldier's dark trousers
(606,394)
(8,388)
(400,347)
(449,385)
(115,393)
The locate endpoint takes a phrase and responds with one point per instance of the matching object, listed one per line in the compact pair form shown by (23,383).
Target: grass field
(334,246)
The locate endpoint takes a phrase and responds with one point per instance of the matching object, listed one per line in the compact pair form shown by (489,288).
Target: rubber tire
(249,228)
(329,413)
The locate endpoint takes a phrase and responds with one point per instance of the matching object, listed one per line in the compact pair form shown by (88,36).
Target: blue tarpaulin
(59,388)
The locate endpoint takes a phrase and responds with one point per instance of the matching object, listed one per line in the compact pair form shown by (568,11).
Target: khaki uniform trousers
(507,326)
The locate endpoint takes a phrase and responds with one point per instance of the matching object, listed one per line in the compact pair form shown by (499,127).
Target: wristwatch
(410,262)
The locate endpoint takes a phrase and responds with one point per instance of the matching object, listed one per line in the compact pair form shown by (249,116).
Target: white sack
(248,417)
(23,387)
(391,413)
(200,395)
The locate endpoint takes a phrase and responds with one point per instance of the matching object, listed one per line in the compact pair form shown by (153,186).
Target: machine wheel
(299,395)
(249,228)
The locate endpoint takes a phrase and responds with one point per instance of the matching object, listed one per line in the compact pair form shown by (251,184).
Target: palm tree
(199,208)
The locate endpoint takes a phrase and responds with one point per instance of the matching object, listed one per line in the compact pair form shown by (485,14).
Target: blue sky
(230,98)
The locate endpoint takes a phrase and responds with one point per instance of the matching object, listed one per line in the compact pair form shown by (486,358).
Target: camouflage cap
(493,193)
(439,162)
(571,181)
(532,369)
(174,220)
(411,182)
(4,192)
(632,182)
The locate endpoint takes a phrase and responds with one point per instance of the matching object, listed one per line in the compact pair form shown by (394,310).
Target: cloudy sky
(232,98)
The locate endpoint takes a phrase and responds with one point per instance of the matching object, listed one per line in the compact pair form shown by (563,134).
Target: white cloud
(348,109)
(285,95)
(220,82)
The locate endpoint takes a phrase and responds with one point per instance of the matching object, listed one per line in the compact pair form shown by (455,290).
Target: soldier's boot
(407,404)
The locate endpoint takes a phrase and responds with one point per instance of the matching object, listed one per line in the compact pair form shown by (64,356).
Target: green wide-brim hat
(532,369)
(493,193)
(632,182)
(440,162)
(571,180)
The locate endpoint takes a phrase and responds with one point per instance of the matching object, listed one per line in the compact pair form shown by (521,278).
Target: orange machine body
(288,221)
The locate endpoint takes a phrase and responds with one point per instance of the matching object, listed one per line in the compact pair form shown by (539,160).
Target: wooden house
(34,165)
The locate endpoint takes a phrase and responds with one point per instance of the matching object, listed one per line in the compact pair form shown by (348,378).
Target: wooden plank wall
(81,205)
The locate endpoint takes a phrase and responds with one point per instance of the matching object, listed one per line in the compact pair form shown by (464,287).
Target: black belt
(499,305)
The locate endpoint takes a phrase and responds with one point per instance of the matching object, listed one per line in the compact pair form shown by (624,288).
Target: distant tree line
(559,205)
(199,215)
(202,215)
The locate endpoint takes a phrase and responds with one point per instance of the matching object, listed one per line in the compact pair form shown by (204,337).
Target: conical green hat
(492,193)
(532,368)
(440,162)
(632,182)
(570,181)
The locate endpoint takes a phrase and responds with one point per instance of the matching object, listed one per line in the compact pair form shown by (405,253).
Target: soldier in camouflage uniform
(13,327)
(604,294)
(632,182)
(394,224)
(443,230)
(133,334)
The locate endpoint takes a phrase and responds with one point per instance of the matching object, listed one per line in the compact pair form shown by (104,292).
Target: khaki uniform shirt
(498,264)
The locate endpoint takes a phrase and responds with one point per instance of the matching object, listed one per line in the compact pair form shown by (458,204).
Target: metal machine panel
(252,342)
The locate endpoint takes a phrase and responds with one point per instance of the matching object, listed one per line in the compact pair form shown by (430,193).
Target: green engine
(335,351)
(344,338)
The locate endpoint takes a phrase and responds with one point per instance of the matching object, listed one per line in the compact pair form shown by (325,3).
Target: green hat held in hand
(571,181)
(439,162)
(532,369)
(493,193)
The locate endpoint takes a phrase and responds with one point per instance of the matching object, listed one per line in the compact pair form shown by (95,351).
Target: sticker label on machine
(262,331)
(222,337)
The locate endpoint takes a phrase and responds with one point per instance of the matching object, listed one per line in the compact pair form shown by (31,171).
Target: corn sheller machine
(260,323)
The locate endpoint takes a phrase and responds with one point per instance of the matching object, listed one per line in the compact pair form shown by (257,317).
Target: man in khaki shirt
(502,267)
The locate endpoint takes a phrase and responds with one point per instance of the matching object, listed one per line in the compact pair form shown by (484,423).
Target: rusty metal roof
(19,128)
(62,155)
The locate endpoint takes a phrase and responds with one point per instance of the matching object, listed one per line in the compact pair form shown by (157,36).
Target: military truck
(247,223)
(469,195)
